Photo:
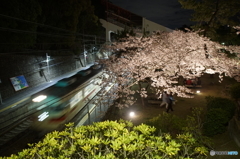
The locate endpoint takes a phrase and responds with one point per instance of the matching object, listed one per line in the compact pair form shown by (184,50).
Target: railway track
(18,139)
(16,127)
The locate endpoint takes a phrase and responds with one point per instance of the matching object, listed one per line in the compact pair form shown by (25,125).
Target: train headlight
(39,98)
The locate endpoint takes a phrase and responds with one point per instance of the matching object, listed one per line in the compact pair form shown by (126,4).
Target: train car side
(64,101)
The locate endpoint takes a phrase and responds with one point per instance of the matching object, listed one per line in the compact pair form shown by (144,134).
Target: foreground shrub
(112,139)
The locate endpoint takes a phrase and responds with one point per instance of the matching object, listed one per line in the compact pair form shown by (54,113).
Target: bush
(219,112)
(215,122)
(235,91)
(112,139)
(225,104)
(195,126)
(167,123)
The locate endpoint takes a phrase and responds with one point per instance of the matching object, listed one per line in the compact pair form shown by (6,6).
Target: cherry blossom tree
(164,57)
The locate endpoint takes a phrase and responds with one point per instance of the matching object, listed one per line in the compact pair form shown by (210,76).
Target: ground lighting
(131,114)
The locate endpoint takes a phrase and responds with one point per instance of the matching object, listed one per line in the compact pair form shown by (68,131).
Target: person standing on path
(165,99)
(171,100)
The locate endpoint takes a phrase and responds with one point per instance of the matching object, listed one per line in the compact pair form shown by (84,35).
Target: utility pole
(47,60)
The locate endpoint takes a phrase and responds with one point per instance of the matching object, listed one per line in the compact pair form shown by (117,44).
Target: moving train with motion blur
(59,104)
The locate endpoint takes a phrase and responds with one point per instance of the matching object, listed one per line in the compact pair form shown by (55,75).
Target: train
(59,104)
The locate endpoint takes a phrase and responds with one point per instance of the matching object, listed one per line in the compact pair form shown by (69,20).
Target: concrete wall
(35,69)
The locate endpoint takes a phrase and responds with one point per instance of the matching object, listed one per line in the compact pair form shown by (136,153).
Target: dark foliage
(219,112)
(215,122)
(225,104)
(235,91)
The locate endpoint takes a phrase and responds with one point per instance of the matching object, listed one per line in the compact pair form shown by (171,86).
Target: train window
(65,82)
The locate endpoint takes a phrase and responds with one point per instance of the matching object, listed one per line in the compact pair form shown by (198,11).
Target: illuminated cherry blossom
(162,58)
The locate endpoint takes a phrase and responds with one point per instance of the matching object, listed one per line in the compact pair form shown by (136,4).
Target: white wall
(110,28)
(152,26)
(148,25)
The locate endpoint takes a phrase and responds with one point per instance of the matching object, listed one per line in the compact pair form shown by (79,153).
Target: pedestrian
(189,82)
(199,82)
(194,82)
(165,99)
(171,100)
(184,82)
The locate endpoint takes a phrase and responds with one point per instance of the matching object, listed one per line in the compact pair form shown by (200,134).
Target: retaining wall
(36,68)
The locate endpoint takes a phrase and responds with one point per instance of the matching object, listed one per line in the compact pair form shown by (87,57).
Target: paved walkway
(17,100)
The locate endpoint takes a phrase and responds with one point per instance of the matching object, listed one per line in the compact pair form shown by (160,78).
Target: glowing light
(43,116)
(131,114)
(198,91)
(210,71)
(39,98)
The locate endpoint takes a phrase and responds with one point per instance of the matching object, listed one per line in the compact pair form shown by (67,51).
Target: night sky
(164,12)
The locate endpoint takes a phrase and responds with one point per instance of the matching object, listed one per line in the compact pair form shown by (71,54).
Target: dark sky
(164,12)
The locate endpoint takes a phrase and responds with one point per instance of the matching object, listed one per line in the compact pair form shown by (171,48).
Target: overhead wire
(77,39)
(48,26)
(46,34)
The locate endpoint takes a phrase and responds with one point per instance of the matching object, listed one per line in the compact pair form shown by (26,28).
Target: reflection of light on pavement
(43,116)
